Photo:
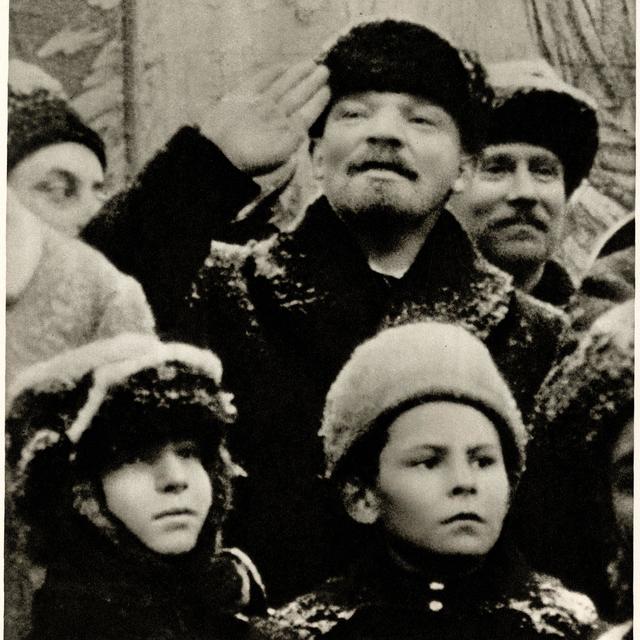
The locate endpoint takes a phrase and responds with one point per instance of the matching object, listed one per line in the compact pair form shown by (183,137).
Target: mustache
(389,162)
(522,215)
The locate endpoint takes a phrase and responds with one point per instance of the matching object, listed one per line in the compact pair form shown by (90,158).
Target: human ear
(464,173)
(360,502)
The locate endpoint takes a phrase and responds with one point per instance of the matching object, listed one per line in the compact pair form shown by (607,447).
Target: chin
(175,546)
(466,546)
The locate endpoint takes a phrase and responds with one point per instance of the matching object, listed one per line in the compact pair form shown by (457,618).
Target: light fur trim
(112,361)
(534,74)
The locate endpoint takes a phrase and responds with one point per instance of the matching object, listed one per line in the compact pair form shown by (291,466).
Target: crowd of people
(425,426)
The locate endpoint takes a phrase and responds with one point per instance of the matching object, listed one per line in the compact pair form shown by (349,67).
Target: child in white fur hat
(425,443)
(121,473)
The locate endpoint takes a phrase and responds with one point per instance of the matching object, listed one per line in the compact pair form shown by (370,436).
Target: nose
(385,127)
(463,479)
(170,472)
(523,186)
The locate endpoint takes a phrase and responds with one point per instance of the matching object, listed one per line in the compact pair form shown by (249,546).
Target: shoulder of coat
(541,311)
(554,609)
(314,614)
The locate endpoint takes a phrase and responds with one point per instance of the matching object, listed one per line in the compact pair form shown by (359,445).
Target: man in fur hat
(378,248)
(541,142)
(55,162)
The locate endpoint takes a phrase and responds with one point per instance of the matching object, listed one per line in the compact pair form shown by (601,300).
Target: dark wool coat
(376,600)
(555,286)
(284,314)
(95,590)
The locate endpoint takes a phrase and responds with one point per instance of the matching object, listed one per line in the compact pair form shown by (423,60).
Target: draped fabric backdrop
(137,69)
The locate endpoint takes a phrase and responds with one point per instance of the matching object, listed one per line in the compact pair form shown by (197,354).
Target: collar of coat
(376,587)
(318,275)
(555,286)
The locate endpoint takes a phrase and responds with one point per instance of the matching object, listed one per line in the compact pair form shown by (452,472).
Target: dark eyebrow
(428,447)
(493,157)
(483,447)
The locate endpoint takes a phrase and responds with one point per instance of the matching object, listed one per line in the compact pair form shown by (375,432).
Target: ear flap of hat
(360,502)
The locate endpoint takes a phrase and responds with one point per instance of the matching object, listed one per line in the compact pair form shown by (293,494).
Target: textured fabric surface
(286,313)
(74,297)
(375,600)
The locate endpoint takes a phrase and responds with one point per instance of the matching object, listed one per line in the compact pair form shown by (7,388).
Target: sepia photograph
(319,319)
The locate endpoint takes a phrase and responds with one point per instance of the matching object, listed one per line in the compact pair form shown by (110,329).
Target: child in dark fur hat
(426,445)
(124,480)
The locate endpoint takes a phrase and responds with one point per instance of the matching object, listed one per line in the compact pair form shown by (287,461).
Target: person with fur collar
(122,474)
(61,293)
(424,442)
(285,312)
(584,465)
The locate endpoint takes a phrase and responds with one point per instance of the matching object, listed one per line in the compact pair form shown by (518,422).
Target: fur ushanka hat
(406,57)
(73,415)
(586,398)
(534,106)
(408,365)
(39,115)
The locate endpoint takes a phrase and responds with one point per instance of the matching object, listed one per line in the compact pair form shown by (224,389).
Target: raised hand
(261,123)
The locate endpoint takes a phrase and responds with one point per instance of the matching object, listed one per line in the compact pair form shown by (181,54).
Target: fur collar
(318,276)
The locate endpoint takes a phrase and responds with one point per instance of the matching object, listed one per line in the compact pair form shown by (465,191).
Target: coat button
(436,586)
(435,605)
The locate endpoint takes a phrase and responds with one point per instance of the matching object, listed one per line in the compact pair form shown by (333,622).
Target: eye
(494,169)
(421,120)
(430,461)
(57,188)
(546,170)
(484,461)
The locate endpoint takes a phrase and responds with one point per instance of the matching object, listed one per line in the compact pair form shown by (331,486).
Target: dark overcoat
(284,314)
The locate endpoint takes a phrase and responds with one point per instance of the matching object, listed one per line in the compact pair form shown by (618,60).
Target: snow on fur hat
(533,105)
(85,406)
(585,395)
(406,365)
(39,115)
(406,57)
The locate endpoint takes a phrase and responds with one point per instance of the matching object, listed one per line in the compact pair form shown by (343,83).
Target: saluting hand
(261,123)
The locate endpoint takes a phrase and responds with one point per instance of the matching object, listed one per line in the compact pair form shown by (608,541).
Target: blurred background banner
(138,69)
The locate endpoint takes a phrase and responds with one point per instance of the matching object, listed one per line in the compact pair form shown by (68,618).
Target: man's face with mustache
(391,152)
(514,205)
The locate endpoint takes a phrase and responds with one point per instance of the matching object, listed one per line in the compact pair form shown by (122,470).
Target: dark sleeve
(159,231)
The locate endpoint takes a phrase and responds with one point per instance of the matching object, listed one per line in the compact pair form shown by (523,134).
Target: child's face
(163,497)
(442,485)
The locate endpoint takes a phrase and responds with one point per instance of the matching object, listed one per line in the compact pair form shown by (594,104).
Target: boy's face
(442,485)
(163,497)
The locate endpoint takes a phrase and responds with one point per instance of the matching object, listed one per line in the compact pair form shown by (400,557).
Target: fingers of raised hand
(305,90)
(311,110)
(290,79)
